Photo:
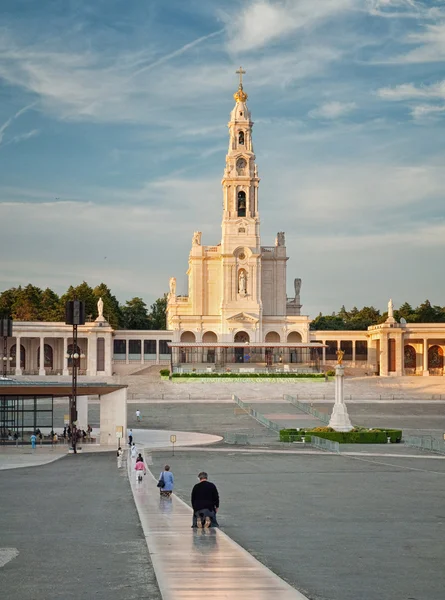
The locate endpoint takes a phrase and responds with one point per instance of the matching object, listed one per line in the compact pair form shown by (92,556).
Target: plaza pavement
(334,527)
(74,532)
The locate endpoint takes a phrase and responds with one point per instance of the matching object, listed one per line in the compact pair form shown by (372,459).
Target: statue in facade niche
(172,283)
(242,282)
(196,241)
(297,287)
(280,241)
(100,308)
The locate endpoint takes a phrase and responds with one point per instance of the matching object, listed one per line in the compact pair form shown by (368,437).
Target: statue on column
(100,311)
(172,286)
(280,241)
(390,308)
(297,287)
(196,241)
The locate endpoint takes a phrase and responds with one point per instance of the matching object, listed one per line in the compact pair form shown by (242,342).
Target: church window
(242,230)
(241,138)
(241,204)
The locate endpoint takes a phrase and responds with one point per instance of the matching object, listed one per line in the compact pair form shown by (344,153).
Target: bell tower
(240,243)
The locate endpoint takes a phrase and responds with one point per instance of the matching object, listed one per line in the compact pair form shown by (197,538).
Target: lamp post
(74,315)
(5,332)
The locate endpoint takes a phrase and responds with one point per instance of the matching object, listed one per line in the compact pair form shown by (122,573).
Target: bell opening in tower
(241,138)
(241,204)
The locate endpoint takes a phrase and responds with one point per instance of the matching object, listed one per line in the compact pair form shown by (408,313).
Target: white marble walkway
(195,564)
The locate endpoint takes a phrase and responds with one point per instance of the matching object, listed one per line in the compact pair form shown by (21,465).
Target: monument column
(42,357)
(92,355)
(425,357)
(323,354)
(157,351)
(353,352)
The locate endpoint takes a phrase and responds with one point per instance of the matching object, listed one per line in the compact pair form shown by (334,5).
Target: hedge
(356,436)
(252,375)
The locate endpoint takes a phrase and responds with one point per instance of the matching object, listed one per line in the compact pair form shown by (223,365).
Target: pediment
(243,317)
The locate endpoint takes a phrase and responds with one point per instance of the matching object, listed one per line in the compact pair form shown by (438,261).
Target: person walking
(130,437)
(167,477)
(138,415)
(133,451)
(120,454)
(205,501)
(139,469)
(33,441)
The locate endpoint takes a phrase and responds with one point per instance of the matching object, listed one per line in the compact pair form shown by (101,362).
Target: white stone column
(42,357)
(425,357)
(127,347)
(65,371)
(384,355)
(108,349)
(323,354)
(18,366)
(82,412)
(92,355)
(157,352)
(339,418)
(353,352)
(142,351)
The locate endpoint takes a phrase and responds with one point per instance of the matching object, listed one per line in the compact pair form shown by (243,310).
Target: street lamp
(74,315)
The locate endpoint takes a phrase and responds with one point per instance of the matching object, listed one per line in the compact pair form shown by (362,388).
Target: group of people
(204,497)
(81,434)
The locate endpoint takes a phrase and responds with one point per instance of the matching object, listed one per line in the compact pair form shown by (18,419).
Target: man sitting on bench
(205,502)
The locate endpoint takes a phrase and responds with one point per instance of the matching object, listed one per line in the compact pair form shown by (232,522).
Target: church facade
(237,287)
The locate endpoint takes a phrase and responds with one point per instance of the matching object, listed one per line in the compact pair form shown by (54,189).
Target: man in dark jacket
(205,501)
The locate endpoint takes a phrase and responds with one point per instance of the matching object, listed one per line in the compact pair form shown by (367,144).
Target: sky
(113,135)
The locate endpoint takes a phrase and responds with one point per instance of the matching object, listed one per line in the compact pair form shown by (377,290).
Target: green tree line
(30,303)
(356,319)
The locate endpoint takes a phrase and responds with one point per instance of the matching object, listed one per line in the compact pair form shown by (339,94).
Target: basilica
(237,287)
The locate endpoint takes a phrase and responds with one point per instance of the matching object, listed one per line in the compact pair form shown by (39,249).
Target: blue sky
(113,134)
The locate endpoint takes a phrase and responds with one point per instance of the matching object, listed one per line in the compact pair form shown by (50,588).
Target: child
(140,468)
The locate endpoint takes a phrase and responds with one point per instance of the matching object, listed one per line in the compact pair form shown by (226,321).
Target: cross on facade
(241,73)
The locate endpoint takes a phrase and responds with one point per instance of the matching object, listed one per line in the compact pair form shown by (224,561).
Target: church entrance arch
(273,354)
(188,337)
(186,354)
(209,354)
(295,354)
(241,354)
(435,360)
(410,360)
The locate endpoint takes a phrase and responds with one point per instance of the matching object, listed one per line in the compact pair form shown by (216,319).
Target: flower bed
(359,435)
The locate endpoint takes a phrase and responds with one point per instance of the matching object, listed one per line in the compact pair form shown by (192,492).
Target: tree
(327,322)
(27,304)
(135,314)
(112,309)
(7,300)
(158,314)
(85,293)
(425,313)
(51,309)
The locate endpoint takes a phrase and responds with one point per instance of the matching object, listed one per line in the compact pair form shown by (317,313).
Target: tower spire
(240,95)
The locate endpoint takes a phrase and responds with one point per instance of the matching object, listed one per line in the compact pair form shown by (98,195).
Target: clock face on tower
(241,166)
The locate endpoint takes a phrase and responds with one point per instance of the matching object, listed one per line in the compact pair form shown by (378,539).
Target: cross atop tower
(241,72)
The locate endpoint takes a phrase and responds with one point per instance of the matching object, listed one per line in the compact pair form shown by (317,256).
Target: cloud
(422,111)
(332,110)
(21,137)
(430,42)
(8,122)
(409,91)
(263,21)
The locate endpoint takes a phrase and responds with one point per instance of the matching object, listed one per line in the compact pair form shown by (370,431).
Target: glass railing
(323,444)
(308,409)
